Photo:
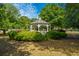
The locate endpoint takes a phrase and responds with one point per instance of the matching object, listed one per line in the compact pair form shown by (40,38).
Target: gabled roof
(40,21)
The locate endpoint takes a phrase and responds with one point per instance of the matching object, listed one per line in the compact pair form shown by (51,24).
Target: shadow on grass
(67,47)
(7,49)
(73,35)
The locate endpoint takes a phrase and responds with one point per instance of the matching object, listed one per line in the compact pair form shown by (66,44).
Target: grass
(64,47)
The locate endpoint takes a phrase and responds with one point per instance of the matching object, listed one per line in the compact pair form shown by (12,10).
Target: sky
(31,10)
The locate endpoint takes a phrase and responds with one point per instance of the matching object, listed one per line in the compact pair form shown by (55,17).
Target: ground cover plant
(56,35)
(26,36)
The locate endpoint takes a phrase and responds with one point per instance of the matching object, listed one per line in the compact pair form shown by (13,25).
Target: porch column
(38,27)
(47,27)
(30,27)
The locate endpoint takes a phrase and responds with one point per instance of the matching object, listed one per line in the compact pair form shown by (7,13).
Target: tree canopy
(72,15)
(24,22)
(53,14)
(8,15)
(58,15)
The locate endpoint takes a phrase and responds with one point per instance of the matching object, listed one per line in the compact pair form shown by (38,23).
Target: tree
(33,19)
(54,14)
(8,15)
(72,15)
(24,22)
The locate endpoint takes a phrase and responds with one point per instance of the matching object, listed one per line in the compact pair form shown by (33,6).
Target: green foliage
(39,37)
(43,27)
(53,14)
(24,22)
(55,35)
(12,34)
(35,36)
(29,36)
(8,15)
(72,15)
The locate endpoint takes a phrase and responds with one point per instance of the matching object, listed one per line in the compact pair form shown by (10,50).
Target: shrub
(55,35)
(38,37)
(43,27)
(61,30)
(29,36)
(12,34)
(21,35)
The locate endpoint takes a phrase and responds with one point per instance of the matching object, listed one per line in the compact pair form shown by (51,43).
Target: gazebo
(39,23)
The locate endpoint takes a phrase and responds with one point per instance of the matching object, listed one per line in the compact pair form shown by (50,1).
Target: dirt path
(45,48)
(65,47)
